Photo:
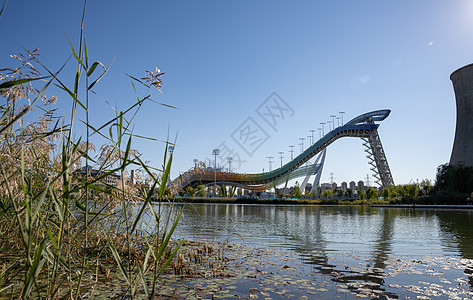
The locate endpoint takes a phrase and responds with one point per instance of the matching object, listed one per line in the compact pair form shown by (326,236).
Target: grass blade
(143,206)
(93,67)
(168,236)
(100,77)
(26,109)
(169,259)
(119,261)
(9,84)
(34,270)
(1,12)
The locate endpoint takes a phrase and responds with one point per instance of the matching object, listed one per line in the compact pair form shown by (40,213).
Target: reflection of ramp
(363,127)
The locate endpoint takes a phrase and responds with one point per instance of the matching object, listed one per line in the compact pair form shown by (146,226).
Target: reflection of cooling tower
(462,80)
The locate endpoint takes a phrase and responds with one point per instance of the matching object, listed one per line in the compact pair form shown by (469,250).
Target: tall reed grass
(63,228)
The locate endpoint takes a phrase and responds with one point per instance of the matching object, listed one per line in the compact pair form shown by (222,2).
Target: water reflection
(352,245)
(457,228)
(332,228)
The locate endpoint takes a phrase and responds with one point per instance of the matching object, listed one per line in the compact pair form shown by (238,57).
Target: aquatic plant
(64,226)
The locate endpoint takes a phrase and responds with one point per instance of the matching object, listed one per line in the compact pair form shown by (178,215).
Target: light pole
(281,156)
(323,128)
(215,153)
(320,132)
(338,121)
(341,114)
(329,127)
(171,150)
(195,163)
(229,160)
(333,120)
(310,140)
(269,162)
(302,144)
(292,150)
(312,133)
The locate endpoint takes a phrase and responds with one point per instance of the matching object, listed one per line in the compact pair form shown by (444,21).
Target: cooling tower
(462,80)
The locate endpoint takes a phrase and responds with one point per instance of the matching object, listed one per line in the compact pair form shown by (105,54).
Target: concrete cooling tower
(462,152)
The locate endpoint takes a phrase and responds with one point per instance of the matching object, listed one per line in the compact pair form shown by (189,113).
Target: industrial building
(462,152)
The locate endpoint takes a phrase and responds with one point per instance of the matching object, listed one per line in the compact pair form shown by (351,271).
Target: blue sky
(223,59)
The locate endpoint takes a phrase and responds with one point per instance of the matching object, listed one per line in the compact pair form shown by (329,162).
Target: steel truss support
(377,159)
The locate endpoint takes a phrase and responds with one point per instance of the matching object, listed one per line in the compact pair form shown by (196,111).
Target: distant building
(344,186)
(326,186)
(308,187)
(132,179)
(352,186)
(110,179)
(361,185)
(285,190)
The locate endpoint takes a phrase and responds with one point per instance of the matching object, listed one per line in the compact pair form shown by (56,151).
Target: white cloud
(365,79)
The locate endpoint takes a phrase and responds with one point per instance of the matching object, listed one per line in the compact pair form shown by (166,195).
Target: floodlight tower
(302,144)
(323,128)
(292,151)
(333,120)
(312,133)
(281,156)
(170,150)
(195,163)
(270,162)
(341,114)
(229,160)
(215,153)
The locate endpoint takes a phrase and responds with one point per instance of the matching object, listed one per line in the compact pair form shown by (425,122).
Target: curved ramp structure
(363,127)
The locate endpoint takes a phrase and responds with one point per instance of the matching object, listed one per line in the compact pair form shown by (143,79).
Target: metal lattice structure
(377,160)
(363,127)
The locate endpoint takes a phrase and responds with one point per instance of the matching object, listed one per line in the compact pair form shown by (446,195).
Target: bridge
(364,126)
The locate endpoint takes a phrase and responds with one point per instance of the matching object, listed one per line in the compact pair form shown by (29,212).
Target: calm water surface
(333,228)
(373,252)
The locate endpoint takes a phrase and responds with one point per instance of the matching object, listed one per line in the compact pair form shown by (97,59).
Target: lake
(343,252)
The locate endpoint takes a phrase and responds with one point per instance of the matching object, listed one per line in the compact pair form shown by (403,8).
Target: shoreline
(323,202)
(431,206)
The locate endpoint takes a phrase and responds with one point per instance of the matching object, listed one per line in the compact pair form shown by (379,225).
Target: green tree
(190,191)
(239,192)
(348,193)
(296,192)
(426,186)
(222,191)
(201,191)
(311,194)
(328,193)
(371,193)
(454,178)
(231,191)
(386,193)
(412,190)
(361,194)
